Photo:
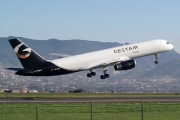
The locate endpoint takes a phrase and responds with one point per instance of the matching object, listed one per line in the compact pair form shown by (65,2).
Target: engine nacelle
(125,65)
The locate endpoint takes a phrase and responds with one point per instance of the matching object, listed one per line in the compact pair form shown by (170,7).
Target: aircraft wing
(108,62)
(59,55)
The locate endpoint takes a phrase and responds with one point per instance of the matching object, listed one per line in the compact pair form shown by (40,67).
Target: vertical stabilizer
(26,55)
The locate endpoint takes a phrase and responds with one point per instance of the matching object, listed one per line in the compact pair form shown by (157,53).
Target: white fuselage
(111,56)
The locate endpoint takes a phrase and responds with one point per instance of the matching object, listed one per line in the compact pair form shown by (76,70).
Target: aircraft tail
(26,55)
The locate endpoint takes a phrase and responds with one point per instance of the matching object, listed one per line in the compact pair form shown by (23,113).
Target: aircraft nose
(171,46)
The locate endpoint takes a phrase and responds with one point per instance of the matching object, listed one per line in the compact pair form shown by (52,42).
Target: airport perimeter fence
(90,111)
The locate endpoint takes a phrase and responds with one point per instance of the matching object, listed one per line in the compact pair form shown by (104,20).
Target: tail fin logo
(24,53)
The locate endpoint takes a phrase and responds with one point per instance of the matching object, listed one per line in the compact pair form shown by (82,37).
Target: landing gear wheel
(156,62)
(93,73)
(102,77)
(106,75)
(156,59)
(89,75)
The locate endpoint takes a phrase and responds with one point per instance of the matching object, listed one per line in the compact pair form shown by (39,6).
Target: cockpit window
(167,43)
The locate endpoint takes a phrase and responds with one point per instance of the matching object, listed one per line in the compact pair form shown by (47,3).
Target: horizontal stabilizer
(15,69)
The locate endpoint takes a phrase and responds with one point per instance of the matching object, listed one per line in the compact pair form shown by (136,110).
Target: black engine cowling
(125,65)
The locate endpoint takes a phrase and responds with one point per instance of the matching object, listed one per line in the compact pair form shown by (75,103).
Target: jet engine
(126,65)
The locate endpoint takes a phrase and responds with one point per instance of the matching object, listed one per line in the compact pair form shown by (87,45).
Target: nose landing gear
(156,59)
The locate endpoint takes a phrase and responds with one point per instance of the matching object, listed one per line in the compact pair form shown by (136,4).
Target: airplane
(122,58)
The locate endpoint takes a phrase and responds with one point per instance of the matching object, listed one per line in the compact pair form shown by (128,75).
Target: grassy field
(85,95)
(80,111)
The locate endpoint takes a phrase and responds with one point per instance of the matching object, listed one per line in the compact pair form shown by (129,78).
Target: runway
(93,100)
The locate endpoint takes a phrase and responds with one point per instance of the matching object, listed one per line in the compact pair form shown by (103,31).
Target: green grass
(80,111)
(85,95)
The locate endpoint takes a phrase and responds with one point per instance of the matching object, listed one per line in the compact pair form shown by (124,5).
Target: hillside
(145,77)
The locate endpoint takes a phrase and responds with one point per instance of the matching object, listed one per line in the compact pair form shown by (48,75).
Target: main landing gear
(105,73)
(91,74)
(156,60)
(102,76)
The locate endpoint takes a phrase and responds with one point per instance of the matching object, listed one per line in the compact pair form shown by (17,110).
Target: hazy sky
(98,20)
